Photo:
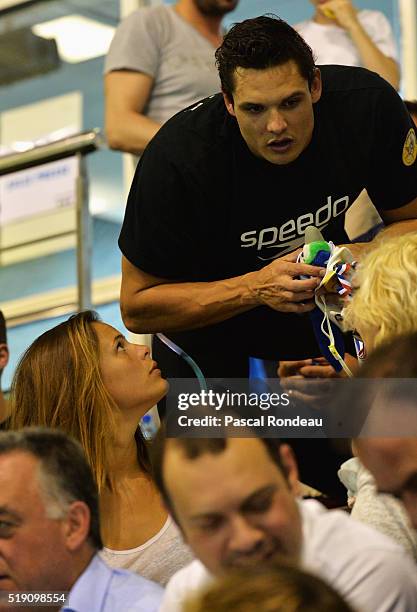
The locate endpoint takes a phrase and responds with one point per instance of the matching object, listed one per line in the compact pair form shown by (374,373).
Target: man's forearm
(398,229)
(359,249)
(372,58)
(152,304)
(179,306)
(130,132)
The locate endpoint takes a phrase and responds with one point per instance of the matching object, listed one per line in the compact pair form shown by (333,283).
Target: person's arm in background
(130,68)
(126,94)
(372,58)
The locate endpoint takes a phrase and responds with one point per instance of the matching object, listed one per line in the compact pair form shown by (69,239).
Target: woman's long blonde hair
(386,299)
(58,383)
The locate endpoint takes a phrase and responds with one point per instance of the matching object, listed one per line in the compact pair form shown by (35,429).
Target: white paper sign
(38,190)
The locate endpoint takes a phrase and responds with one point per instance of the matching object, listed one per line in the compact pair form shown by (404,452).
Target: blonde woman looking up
(85,378)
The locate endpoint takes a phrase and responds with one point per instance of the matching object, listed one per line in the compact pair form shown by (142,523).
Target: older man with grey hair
(50,532)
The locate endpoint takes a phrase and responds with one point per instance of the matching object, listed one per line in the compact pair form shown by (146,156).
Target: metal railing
(82,143)
(78,145)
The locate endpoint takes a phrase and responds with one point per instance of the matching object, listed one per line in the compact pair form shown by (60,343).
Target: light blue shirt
(101,588)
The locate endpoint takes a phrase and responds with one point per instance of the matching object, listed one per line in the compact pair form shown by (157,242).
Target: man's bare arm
(398,221)
(126,95)
(152,304)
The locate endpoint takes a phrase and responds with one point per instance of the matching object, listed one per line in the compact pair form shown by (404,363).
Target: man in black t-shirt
(224,192)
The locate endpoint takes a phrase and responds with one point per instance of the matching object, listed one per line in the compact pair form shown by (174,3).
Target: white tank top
(157,559)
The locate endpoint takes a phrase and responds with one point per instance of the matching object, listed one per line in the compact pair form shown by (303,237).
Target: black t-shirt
(202,207)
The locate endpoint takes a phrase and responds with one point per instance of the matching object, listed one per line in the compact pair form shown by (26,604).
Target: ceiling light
(78,38)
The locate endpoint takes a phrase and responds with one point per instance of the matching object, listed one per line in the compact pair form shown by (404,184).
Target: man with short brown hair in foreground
(233,499)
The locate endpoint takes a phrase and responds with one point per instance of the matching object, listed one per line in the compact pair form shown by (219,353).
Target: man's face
(215,8)
(393,463)
(32,552)
(274,110)
(235,508)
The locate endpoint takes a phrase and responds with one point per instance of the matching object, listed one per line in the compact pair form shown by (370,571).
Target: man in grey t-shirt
(161,60)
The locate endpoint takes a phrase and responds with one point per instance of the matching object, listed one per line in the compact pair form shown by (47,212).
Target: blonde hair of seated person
(276,587)
(385,303)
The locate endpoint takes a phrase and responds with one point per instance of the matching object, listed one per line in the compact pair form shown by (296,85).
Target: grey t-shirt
(158,42)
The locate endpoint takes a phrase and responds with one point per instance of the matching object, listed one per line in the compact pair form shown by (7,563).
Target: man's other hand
(307,380)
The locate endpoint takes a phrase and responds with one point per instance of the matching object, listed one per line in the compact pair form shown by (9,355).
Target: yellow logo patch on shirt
(410,148)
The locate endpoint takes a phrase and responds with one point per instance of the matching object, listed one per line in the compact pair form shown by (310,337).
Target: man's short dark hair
(3,332)
(263,42)
(412,106)
(193,448)
(63,466)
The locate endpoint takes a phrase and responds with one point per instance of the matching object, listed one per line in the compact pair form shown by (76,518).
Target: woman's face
(129,374)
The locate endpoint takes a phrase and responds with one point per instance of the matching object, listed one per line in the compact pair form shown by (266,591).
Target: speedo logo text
(290,235)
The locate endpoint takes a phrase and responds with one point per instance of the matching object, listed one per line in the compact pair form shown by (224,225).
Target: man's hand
(277,285)
(307,380)
(342,12)
(317,367)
